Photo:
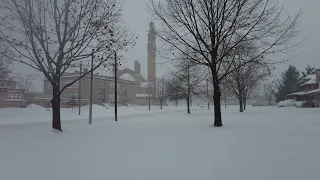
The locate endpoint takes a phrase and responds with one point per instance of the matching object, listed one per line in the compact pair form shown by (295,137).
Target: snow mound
(286,103)
(34,106)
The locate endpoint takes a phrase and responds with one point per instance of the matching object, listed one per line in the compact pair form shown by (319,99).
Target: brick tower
(152,48)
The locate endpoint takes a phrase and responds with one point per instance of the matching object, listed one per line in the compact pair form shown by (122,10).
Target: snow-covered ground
(264,143)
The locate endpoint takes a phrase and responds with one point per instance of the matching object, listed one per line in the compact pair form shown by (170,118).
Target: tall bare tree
(161,91)
(53,36)
(213,28)
(185,81)
(244,80)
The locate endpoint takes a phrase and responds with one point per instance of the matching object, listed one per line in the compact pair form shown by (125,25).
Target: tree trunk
(176,102)
(217,105)
(188,105)
(160,103)
(240,104)
(56,121)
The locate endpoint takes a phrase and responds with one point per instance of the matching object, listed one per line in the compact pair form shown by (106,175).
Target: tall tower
(152,49)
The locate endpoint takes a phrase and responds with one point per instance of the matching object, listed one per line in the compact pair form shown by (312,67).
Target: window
(70,95)
(13,96)
(111,87)
(74,85)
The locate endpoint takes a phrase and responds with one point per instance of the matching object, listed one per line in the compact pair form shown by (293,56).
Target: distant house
(309,90)
(10,96)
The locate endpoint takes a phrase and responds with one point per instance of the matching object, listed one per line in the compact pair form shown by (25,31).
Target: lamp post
(149,95)
(79,97)
(208,94)
(115,88)
(91,87)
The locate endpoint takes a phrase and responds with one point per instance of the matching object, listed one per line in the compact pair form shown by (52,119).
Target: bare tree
(185,81)
(25,82)
(244,80)
(213,28)
(53,36)
(269,92)
(161,91)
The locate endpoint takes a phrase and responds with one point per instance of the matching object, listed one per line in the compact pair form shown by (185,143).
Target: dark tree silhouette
(288,83)
(211,29)
(53,36)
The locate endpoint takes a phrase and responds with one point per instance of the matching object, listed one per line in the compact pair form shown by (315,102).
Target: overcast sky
(137,18)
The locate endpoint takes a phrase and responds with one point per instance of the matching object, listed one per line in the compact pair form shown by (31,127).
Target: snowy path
(261,144)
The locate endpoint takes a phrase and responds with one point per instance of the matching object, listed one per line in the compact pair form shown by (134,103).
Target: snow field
(262,143)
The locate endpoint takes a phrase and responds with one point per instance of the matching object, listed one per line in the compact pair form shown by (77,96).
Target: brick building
(10,95)
(309,90)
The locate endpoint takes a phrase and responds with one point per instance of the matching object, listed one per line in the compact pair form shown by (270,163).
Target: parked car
(201,105)
(286,103)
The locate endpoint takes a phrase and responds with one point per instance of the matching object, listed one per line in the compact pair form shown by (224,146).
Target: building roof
(297,93)
(304,92)
(313,91)
(127,77)
(315,70)
(311,80)
(310,76)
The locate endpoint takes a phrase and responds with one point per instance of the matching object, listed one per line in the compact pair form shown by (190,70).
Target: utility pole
(188,90)
(149,94)
(208,94)
(91,89)
(79,98)
(115,88)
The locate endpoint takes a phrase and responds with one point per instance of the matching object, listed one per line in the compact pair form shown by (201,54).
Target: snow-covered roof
(312,79)
(305,92)
(143,95)
(297,93)
(309,77)
(313,91)
(315,70)
(127,77)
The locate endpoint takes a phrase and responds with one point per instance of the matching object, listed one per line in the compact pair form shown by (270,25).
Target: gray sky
(137,18)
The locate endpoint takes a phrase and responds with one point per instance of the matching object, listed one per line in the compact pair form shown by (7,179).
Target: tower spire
(152,49)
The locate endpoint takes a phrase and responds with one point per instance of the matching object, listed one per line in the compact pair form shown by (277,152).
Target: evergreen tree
(288,83)
(309,70)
